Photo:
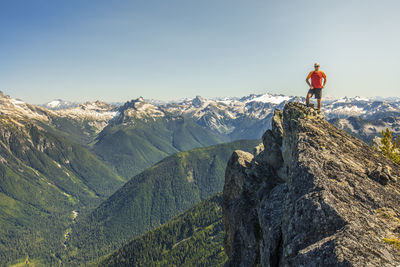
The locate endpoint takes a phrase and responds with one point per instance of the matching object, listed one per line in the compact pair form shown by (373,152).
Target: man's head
(316,66)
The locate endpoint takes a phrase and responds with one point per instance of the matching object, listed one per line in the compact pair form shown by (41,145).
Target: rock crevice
(310,196)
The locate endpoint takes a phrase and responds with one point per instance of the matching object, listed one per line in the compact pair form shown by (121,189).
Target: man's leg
(319,103)
(318,96)
(308,98)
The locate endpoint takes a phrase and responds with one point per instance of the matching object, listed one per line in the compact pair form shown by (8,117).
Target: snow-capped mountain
(363,107)
(255,105)
(137,109)
(234,117)
(92,117)
(81,123)
(59,104)
(367,129)
(332,107)
(246,117)
(96,110)
(17,109)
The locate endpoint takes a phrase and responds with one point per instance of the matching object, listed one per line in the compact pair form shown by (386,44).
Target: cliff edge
(311,196)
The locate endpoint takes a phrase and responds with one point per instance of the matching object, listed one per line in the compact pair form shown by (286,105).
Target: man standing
(316,84)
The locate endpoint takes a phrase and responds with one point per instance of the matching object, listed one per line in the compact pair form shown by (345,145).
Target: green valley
(44,178)
(193,238)
(151,198)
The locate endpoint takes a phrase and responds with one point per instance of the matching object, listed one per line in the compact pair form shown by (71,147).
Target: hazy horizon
(112,51)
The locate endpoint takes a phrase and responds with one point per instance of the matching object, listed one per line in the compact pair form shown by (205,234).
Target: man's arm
(308,82)
(324,76)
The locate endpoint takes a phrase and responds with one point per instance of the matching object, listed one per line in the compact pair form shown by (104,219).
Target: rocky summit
(312,195)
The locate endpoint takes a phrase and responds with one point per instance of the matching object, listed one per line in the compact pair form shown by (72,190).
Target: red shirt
(316,78)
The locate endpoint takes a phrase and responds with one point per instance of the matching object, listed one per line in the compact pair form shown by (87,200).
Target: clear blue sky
(118,50)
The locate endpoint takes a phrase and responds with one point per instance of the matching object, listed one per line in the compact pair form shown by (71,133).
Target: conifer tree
(389,148)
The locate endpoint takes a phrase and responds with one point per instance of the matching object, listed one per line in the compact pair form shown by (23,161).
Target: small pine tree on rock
(389,148)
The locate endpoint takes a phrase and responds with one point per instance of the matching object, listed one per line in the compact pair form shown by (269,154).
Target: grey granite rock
(315,196)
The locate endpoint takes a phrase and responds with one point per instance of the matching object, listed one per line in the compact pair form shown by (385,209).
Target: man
(316,84)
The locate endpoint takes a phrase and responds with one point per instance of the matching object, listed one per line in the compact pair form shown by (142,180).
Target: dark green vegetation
(388,147)
(54,166)
(152,198)
(194,238)
(43,178)
(134,145)
(79,131)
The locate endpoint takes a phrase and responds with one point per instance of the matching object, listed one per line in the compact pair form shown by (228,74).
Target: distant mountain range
(61,164)
(367,129)
(134,135)
(248,117)
(220,120)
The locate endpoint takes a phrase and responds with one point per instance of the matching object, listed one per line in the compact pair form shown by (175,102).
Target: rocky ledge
(311,196)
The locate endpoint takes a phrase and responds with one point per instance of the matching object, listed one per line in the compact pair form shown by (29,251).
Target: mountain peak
(140,99)
(315,196)
(59,104)
(134,104)
(138,109)
(96,105)
(198,101)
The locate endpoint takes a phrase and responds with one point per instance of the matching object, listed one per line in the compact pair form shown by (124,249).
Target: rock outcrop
(314,196)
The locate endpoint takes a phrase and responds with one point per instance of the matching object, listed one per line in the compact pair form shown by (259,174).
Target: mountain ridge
(315,196)
(45,179)
(235,118)
(153,197)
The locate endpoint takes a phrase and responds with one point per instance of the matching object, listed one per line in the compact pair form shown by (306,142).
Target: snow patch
(54,103)
(267,98)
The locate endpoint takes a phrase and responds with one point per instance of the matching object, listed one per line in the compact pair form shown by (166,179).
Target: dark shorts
(317,92)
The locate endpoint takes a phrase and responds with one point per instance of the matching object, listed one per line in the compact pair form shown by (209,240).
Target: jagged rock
(277,129)
(272,141)
(272,150)
(315,196)
(236,177)
(258,149)
(381,174)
